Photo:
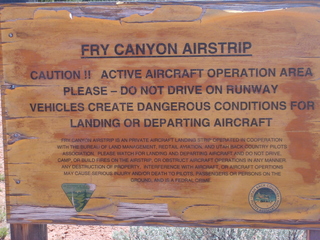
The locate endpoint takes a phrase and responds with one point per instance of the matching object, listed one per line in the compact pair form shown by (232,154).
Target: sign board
(194,114)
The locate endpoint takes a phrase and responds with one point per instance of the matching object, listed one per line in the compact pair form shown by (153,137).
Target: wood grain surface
(197,114)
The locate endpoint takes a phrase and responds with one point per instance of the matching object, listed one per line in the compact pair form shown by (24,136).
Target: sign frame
(126,11)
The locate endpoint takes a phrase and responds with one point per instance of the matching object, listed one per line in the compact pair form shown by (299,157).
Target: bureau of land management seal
(264,198)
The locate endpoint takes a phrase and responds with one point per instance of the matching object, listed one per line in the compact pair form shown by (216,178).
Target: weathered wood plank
(180,114)
(313,234)
(28,231)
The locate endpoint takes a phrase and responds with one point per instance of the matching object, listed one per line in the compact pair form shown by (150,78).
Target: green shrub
(3,232)
(2,215)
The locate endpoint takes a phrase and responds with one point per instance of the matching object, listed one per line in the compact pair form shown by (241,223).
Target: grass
(3,232)
(2,215)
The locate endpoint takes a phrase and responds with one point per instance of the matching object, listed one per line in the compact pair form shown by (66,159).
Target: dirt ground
(57,231)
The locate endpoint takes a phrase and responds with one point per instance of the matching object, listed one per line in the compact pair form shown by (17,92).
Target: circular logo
(264,198)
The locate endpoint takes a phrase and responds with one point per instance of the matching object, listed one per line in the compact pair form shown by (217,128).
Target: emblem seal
(264,198)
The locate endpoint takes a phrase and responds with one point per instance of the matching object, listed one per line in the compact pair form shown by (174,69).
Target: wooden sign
(196,114)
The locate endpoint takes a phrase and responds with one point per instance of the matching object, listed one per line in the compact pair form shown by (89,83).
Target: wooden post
(313,235)
(28,231)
